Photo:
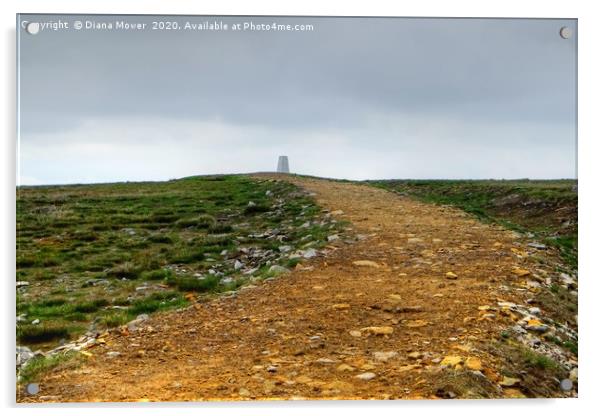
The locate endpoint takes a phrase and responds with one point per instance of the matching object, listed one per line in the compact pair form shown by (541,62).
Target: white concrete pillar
(282,164)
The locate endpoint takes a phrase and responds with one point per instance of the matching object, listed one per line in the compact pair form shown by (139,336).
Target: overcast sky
(356,98)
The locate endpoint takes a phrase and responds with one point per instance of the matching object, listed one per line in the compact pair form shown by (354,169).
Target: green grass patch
(541,361)
(159,274)
(256,209)
(43,332)
(157,301)
(193,284)
(86,248)
(126,270)
(201,221)
(90,306)
(115,319)
(40,365)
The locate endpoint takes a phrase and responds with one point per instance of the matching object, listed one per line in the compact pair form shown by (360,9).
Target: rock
(384,356)
(520,272)
(416,323)
(337,212)
(355,334)
(445,394)
(414,240)
(251,204)
(276,269)
(366,376)
(24,354)
(415,355)
(251,271)
(285,249)
(574,376)
(514,394)
(568,281)
(378,330)
(133,325)
(509,381)
(22,283)
(536,325)
(35,322)
(332,238)
(271,369)
(366,263)
(408,367)
(451,276)
(303,379)
(473,363)
(242,392)
(533,284)
(339,306)
(238,265)
(451,361)
(345,367)
(325,361)
(310,253)
(48,398)
(113,354)
(463,347)
(538,246)
(535,311)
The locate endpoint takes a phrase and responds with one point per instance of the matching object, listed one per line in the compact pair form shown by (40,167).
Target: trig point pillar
(282,164)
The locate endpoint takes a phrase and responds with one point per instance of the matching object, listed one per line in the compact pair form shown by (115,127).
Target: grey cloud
(359,77)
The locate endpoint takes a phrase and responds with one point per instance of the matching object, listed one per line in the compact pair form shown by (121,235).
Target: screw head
(33,28)
(32,388)
(566,32)
(566,384)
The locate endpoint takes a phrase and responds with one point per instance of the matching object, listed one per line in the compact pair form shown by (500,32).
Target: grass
(159,274)
(202,221)
(540,361)
(539,374)
(86,248)
(155,302)
(115,320)
(42,332)
(545,208)
(193,284)
(41,364)
(90,306)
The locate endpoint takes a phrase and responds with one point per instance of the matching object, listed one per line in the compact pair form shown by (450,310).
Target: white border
(590,68)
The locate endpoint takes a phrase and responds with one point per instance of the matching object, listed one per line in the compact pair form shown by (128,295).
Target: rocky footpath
(427,303)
